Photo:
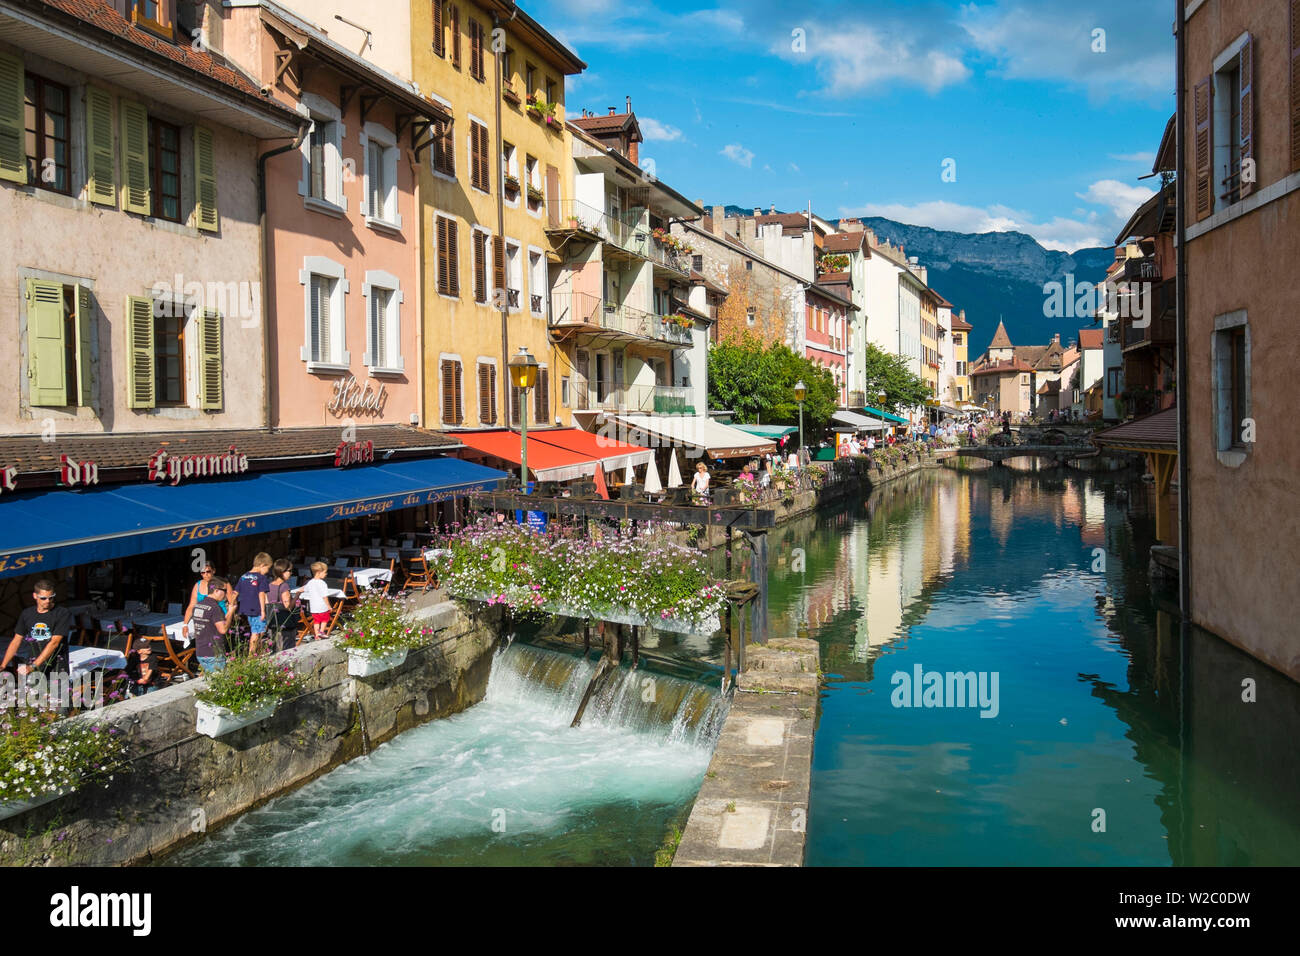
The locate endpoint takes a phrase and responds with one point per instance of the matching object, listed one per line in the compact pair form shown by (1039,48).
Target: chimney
(611,111)
(629,106)
(771,210)
(748,231)
(1056,339)
(718,224)
(757,211)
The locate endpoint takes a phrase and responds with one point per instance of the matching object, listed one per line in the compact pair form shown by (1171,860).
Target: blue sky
(1048,134)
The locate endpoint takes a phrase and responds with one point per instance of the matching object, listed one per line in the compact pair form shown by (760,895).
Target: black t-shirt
(203,619)
(38,628)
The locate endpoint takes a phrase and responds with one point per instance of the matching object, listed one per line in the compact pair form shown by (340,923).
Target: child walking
(252,590)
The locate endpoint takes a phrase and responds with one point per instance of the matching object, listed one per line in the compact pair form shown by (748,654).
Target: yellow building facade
(930,361)
(961,330)
(492,180)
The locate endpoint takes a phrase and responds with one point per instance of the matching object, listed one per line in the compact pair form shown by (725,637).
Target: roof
(1166,158)
(1000,338)
(720,441)
(1069,357)
(1050,388)
(790,222)
(118,451)
(701,279)
(617,122)
(826,292)
(106,20)
(1157,432)
(1142,223)
(961,325)
(1030,354)
(1013,365)
(1091,338)
(847,242)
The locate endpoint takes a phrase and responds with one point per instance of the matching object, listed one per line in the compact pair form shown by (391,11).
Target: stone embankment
(181,784)
(753,807)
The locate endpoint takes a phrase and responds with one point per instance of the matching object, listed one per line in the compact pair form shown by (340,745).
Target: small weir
(507,782)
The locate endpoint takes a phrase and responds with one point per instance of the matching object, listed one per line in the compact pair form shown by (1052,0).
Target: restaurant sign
(164,466)
(353,452)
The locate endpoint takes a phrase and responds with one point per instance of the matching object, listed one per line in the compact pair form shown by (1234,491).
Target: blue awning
(58,528)
(885,415)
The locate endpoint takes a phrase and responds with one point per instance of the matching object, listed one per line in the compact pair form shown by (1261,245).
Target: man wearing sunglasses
(210,623)
(41,635)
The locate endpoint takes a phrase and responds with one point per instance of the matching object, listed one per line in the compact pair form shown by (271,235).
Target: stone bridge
(1000,453)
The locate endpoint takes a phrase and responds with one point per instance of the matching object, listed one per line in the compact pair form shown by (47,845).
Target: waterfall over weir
(506,782)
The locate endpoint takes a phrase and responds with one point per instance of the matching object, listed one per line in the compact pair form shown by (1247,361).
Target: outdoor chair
(419,574)
(170,658)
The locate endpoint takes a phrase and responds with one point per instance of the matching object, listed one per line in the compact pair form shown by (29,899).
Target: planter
(15,807)
(623,615)
(213,721)
(364,663)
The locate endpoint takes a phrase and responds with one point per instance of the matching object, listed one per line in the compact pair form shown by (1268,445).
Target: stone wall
(182,784)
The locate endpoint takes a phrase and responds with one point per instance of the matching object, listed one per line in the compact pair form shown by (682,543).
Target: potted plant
(380,633)
(534,193)
(509,95)
(511,183)
(245,691)
(43,757)
(540,109)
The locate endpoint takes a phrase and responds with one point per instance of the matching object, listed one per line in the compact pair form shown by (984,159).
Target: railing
(1233,183)
(512,298)
(857,399)
(536,302)
(630,232)
(581,308)
(660,399)
(1143,268)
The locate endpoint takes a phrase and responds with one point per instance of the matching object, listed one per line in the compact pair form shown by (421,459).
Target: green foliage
(672,839)
(889,373)
(382,625)
(41,754)
(757,383)
(247,683)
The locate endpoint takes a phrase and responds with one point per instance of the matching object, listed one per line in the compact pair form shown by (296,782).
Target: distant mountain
(992,275)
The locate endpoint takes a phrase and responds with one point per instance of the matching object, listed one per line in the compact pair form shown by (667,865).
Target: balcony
(512,298)
(582,312)
(628,235)
(857,400)
(536,302)
(1140,269)
(647,399)
(1160,330)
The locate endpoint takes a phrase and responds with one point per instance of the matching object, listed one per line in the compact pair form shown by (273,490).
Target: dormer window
(154,16)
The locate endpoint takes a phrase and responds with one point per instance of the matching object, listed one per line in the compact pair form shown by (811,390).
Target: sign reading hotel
(164,466)
(352,398)
(354,452)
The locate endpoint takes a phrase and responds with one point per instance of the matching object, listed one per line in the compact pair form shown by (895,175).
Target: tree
(889,374)
(757,383)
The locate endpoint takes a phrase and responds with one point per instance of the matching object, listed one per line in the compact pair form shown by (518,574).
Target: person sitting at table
(279,604)
(40,641)
(211,622)
(141,668)
(198,593)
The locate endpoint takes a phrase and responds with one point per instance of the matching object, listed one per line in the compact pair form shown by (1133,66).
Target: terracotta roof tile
(846,242)
(960,326)
(1152,431)
(601,124)
(1090,338)
(1013,365)
(1000,338)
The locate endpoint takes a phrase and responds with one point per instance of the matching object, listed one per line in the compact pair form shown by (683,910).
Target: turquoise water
(1115,741)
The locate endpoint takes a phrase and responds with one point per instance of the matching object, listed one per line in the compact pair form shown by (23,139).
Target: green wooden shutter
(46,365)
(13,111)
(205,181)
(210,392)
(85,359)
(135,160)
(139,347)
(101,187)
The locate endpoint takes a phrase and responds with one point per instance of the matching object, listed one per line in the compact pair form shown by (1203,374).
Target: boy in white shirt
(316,591)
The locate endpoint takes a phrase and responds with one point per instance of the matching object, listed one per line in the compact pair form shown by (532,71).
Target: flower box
(509,95)
(625,615)
(363,663)
(15,807)
(535,194)
(214,721)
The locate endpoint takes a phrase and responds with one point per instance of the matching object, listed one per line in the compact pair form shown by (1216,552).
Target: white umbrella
(630,477)
(652,485)
(674,473)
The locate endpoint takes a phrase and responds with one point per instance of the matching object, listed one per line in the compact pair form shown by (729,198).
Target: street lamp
(800,393)
(523,373)
(880,401)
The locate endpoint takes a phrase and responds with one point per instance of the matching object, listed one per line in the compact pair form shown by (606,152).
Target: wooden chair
(181,659)
(305,626)
(418,574)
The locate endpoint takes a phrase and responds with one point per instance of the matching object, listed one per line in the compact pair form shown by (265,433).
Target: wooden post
(636,645)
(758,575)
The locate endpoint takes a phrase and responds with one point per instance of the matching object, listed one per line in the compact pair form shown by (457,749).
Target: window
(749,315)
(383,295)
(536,282)
(1223,110)
(448,258)
(476,50)
(46,129)
(960,396)
(453,408)
(322,140)
(479,241)
(533,184)
(60,348)
(749,265)
(487,393)
(381,177)
(509,172)
(169,358)
(324,335)
(564,391)
(530,80)
(514,276)
(542,396)
(454,22)
(1231,362)
(697,263)
(322,181)
(479,176)
(1113,386)
(507,67)
(956,338)
(444,147)
(550,90)
(439,29)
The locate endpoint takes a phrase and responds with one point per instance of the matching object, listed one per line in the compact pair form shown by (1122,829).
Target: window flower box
(215,721)
(535,194)
(509,95)
(511,184)
(364,663)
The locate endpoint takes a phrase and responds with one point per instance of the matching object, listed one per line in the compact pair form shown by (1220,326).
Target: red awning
(558,454)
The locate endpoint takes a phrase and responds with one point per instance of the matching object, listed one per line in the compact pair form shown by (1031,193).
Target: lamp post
(523,373)
(880,401)
(800,393)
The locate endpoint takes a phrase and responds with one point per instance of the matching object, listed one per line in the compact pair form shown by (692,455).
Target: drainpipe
(419,293)
(266,266)
(501,229)
(1180,215)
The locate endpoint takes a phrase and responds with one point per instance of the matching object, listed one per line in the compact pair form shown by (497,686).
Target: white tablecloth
(431,553)
(83,660)
(366,576)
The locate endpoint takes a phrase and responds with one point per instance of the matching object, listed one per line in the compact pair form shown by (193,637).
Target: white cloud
(1133,157)
(862,58)
(1059,233)
(652,129)
(1120,197)
(738,154)
(794,168)
(1058,40)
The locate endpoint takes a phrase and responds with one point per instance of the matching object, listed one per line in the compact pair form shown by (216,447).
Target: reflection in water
(1107,708)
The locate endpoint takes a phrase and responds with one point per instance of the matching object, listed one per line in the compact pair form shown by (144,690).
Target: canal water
(506,782)
(1111,739)
(1096,733)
